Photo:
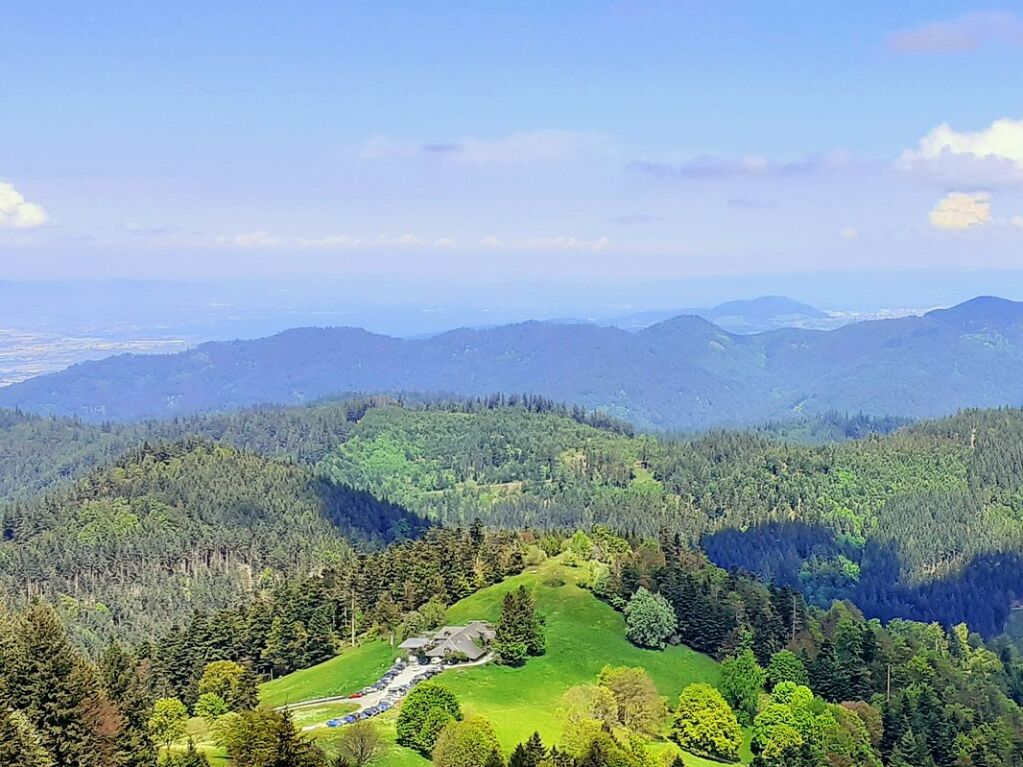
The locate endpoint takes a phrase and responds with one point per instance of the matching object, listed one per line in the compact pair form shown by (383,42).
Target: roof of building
(465,640)
(414,643)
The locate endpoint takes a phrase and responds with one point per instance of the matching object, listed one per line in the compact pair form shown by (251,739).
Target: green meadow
(583,635)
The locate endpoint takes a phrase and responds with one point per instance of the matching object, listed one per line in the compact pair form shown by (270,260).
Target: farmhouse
(468,641)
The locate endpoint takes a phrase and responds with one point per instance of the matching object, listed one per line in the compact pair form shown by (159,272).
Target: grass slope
(583,634)
(350,671)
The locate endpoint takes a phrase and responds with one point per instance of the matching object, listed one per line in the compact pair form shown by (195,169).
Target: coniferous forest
(859,594)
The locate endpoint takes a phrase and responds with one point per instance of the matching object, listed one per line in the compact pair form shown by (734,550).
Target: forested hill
(683,373)
(924,523)
(169,529)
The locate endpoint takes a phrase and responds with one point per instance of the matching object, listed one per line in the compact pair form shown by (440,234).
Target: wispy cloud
(970,31)
(515,148)
(262,239)
(710,167)
(567,243)
(18,213)
(961,210)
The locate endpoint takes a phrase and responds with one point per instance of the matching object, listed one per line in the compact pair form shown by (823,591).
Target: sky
(513,143)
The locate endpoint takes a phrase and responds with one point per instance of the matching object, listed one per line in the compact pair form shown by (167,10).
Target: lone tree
(359,744)
(706,725)
(469,743)
(651,620)
(167,722)
(640,708)
(425,712)
(520,630)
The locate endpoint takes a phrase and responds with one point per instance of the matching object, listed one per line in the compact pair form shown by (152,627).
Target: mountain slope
(684,373)
(174,528)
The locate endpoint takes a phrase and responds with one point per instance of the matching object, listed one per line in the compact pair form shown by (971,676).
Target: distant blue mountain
(682,373)
(755,315)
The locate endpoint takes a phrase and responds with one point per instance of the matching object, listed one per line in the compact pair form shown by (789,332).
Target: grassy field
(583,634)
(350,671)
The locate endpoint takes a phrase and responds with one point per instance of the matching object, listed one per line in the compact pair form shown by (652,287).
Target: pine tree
(20,744)
(56,689)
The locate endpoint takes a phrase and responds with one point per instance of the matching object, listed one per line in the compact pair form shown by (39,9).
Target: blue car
(333,722)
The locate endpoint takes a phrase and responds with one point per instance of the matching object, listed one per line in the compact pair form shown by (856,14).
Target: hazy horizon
(621,140)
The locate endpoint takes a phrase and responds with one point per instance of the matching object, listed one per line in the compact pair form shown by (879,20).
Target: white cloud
(993,156)
(258,239)
(1017,221)
(18,213)
(490,241)
(967,32)
(961,210)
(514,149)
(850,233)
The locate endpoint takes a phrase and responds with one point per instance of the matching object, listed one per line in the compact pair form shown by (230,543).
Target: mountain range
(755,315)
(682,373)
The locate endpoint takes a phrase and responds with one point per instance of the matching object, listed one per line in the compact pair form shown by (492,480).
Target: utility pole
(353,616)
(888,691)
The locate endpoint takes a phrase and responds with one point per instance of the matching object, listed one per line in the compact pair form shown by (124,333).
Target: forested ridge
(682,373)
(913,524)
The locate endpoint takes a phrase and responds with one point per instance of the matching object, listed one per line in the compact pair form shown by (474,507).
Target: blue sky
(509,141)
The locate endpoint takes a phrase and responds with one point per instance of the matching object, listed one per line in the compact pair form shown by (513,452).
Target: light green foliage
(795,727)
(650,618)
(265,738)
(742,679)
(586,709)
(168,720)
(210,707)
(638,706)
(579,548)
(468,743)
(436,720)
(705,724)
(231,682)
(783,748)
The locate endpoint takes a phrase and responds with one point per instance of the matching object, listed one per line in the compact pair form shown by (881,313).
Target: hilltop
(583,635)
(682,373)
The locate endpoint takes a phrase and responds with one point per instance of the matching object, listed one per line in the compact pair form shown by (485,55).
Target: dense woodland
(127,528)
(817,687)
